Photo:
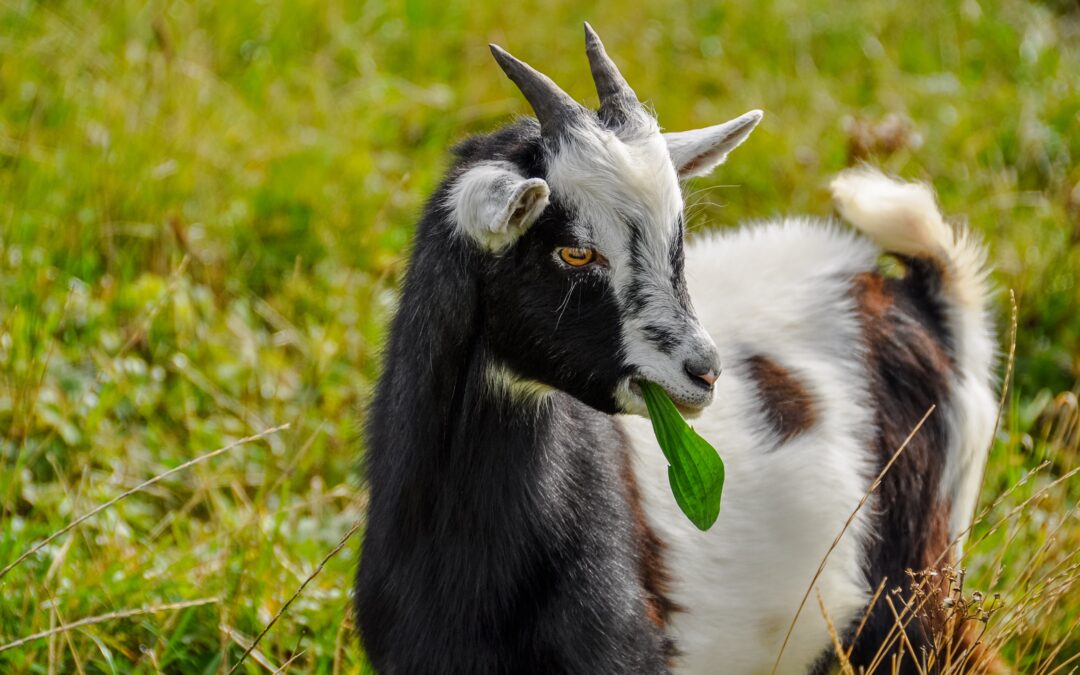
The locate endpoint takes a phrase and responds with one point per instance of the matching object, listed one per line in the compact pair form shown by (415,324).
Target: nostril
(703,370)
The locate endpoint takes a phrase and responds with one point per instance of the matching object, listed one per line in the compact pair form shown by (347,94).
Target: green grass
(205,208)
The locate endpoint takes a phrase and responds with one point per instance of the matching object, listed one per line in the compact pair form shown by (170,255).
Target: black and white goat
(518,525)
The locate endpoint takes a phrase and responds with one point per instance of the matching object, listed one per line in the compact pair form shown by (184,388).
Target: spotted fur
(784,398)
(519,524)
(806,322)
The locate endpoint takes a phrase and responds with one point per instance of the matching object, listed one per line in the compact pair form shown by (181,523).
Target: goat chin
(806,298)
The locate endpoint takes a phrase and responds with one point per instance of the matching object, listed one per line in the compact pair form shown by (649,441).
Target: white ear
(698,152)
(494,204)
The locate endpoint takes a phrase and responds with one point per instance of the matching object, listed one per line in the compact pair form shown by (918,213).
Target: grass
(204,211)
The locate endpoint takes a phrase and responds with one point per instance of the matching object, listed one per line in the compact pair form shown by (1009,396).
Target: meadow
(205,209)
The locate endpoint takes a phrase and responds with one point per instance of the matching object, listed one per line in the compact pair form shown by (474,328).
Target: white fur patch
(505,382)
(493,204)
(609,180)
(783,289)
(780,289)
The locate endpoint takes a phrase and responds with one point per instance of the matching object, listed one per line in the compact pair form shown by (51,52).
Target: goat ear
(494,204)
(698,152)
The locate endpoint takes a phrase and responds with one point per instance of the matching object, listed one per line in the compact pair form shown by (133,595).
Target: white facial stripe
(615,188)
(627,202)
(610,181)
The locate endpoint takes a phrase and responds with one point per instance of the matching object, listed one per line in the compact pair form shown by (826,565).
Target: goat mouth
(688,409)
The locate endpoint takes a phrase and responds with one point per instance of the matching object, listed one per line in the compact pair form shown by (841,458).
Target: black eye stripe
(664,337)
(676,247)
(638,289)
(678,278)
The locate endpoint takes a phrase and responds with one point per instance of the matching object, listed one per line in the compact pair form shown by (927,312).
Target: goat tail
(904,219)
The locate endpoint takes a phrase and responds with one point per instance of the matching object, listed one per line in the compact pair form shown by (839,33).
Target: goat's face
(583,287)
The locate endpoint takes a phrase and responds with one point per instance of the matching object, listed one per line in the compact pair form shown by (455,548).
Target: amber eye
(576,257)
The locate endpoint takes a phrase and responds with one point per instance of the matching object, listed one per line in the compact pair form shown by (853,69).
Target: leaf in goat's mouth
(695,470)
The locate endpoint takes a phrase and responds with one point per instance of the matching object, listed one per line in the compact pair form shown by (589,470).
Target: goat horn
(554,108)
(618,102)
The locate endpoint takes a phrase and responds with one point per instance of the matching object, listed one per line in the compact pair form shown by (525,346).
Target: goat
(520,519)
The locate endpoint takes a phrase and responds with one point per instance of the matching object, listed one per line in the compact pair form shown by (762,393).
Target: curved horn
(554,108)
(618,102)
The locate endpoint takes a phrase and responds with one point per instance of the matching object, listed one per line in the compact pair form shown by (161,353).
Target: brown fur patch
(884,322)
(937,537)
(696,163)
(788,405)
(954,637)
(982,658)
(654,575)
(908,366)
(937,560)
(873,298)
(909,362)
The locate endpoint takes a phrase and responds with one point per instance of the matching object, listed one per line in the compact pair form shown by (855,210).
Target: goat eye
(576,257)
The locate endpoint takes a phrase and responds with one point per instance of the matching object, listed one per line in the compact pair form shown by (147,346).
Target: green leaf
(695,470)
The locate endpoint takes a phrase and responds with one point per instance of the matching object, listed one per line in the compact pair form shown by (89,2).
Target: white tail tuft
(904,218)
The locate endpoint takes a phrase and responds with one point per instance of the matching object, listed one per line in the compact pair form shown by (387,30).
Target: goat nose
(703,368)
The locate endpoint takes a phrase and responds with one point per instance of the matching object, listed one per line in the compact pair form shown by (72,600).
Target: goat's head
(582,281)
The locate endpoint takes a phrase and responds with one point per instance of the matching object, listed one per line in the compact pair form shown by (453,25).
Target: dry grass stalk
(141,486)
(333,552)
(838,646)
(245,642)
(102,618)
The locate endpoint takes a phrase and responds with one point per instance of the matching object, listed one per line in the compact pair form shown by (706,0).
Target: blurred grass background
(205,209)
